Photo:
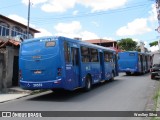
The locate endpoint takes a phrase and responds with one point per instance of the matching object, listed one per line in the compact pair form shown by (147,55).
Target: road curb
(14,94)
(9,97)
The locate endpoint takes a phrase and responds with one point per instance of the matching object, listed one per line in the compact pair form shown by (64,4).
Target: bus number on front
(37,85)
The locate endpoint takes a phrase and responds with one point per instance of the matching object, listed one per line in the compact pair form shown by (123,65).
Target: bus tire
(128,73)
(58,91)
(112,77)
(142,73)
(88,83)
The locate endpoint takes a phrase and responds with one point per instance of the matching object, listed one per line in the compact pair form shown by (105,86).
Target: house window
(17,31)
(25,35)
(4,29)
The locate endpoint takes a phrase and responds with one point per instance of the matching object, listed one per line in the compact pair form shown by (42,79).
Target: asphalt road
(125,93)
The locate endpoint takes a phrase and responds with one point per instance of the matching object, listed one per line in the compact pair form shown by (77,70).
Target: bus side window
(106,56)
(94,55)
(85,54)
(75,57)
(67,52)
(110,57)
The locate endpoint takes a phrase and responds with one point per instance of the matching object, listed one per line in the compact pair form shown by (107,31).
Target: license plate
(37,72)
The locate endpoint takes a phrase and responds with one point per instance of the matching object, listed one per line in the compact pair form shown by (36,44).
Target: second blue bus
(134,62)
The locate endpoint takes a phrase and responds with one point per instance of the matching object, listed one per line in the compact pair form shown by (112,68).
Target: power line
(137,4)
(40,20)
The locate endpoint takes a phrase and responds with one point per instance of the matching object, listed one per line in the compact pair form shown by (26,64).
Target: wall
(9,57)
(8,68)
(3,85)
(156,59)
(1,69)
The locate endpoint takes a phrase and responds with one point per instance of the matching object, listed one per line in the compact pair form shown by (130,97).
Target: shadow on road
(136,74)
(77,95)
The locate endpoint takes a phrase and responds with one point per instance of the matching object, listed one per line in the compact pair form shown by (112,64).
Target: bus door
(76,66)
(102,68)
(146,60)
(141,61)
(115,64)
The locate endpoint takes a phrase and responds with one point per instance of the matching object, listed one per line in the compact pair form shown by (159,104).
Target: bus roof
(68,39)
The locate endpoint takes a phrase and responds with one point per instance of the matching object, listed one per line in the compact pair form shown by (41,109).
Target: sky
(88,19)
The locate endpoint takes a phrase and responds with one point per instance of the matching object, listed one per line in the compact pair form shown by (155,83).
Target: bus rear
(39,64)
(128,62)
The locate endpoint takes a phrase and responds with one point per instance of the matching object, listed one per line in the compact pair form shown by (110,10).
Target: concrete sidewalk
(13,93)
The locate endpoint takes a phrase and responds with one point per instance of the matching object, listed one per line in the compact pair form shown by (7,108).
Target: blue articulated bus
(134,62)
(64,63)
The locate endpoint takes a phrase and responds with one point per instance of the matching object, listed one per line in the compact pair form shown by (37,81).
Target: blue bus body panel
(92,69)
(36,63)
(108,70)
(70,79)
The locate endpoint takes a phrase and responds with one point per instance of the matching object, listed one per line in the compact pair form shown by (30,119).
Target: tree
(127,44)
(153,43)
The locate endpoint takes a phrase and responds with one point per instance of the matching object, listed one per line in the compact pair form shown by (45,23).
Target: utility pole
(158,17)
(158,10)
(29,5)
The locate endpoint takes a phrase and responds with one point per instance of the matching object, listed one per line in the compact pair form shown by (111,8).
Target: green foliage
(127,44)
(153,43)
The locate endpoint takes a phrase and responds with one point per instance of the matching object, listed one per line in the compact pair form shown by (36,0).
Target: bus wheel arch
(128,73)
(88,82)
(112,75)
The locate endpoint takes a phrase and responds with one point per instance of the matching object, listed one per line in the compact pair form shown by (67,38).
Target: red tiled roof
(117,50)
(99,41)
(9,42)
(104,41)
(16,43)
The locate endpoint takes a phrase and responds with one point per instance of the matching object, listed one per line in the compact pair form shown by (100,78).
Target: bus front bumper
(29,85)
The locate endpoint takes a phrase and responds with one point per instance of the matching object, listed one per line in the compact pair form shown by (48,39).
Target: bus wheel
(128,73)
(88,83)
(58,91)
(112,78)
